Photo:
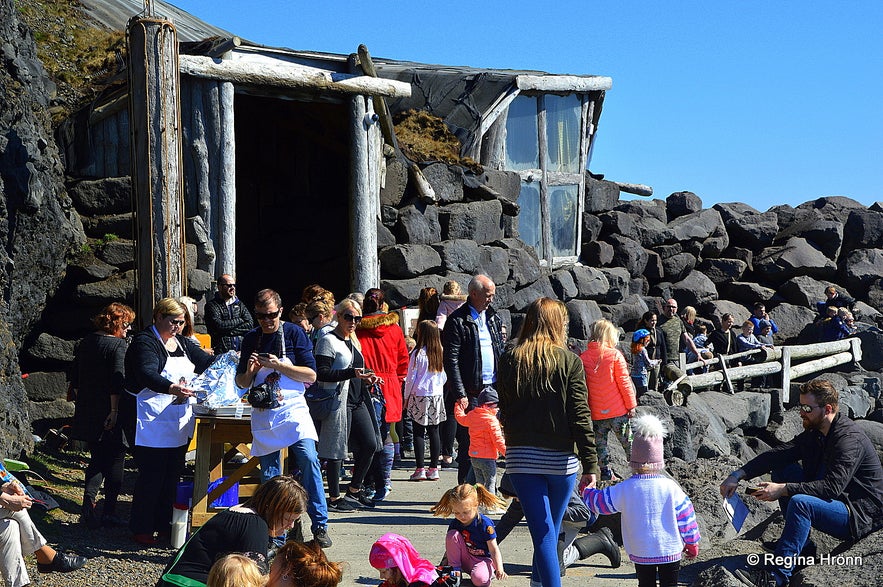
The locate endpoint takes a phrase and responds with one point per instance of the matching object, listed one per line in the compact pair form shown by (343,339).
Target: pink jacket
(611,393)
(485,435)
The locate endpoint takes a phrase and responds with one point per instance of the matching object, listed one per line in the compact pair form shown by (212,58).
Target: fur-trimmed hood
(452,298)
(373,324)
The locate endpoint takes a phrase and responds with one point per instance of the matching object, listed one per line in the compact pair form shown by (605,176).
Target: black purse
(321,401)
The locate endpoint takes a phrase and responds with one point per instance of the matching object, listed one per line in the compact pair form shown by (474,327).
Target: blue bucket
(184,493)
(228,499)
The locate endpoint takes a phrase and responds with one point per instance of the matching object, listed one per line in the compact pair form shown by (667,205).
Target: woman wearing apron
(280,354)
(159,364)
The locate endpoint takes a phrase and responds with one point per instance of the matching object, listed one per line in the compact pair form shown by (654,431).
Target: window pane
(521,134)
(563,216)
(562,131)
(529,220)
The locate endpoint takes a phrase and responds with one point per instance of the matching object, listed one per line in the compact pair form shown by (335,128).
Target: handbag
(321,401)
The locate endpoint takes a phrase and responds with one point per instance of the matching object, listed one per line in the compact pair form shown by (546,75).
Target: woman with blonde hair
(611,392)
(341,368)
(544,413)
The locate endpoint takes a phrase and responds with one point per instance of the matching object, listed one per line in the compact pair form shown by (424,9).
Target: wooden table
(217,440)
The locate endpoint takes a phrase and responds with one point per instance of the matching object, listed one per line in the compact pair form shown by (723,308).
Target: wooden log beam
(638,189)
(365,265)
(810,351)
(563,83)
(260,70)
(380,107)
(815,365)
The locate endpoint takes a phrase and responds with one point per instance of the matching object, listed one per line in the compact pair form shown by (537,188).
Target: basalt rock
(682,203)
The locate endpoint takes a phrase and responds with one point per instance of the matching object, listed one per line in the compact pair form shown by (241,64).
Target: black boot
(89,515)
(561,545)
(600,542)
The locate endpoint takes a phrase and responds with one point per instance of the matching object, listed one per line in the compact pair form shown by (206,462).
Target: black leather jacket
(462,350)
(226,324)
(842,465)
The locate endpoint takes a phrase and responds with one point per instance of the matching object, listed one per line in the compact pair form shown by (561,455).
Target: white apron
(161,422)
(276,429)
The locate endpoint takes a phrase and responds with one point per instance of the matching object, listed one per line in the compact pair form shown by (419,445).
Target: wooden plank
(544,189)
(380,107)
(563,83)
(261,70)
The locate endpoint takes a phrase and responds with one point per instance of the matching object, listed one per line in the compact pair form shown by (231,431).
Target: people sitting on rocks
(656,348)
(834,326)
(677,337)
(838,487)
(747,341)
(723,339)
(765,335)
(760,315)
(835,298)
(700,339)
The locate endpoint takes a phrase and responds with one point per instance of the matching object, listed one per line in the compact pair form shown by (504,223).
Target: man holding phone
(838,488)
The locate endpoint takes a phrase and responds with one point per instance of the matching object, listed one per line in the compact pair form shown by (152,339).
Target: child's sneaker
(432,475)
(418,475)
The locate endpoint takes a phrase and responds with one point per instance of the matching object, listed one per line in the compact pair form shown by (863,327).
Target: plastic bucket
(184,493)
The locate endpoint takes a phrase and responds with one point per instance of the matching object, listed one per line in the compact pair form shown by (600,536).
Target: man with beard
(838,488)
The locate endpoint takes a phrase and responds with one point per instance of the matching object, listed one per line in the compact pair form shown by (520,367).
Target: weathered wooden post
(365,271)
(157,186)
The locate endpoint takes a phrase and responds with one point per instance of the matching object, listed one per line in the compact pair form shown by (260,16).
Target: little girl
(658,522)
(471,542)
(236,570)
(424,398)
(400,564)
(452,298)
(642,364)
(486,441)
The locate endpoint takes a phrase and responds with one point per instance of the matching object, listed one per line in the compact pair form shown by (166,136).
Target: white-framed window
(545,142)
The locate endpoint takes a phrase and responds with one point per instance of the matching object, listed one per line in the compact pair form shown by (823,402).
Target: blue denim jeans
(304,454)
(544,500)
(805,512)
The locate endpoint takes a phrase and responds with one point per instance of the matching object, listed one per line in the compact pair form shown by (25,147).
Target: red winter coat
(384,349)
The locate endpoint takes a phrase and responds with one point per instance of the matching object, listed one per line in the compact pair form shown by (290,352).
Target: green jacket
(555,417)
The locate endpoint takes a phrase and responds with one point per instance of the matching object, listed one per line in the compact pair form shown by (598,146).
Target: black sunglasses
(352,318)
(228,285)
(806,408)
(267,316)
(176,322)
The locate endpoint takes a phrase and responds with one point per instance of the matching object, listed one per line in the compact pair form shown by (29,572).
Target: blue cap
(640,334)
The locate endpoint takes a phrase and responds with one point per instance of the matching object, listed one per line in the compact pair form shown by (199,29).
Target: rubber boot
(397,455)
(386,461)
(600,542)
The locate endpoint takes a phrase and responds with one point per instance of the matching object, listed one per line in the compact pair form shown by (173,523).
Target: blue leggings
(544,500)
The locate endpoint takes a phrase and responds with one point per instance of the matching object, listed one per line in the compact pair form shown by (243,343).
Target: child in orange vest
(485,436)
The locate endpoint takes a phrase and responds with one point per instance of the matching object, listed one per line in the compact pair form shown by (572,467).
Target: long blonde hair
(543,331)
(604,333)
(345,305)
(235,570)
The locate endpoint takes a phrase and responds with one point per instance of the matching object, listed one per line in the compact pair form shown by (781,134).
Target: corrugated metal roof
(114,14)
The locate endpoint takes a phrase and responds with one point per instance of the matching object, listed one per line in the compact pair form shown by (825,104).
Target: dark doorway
(292,185)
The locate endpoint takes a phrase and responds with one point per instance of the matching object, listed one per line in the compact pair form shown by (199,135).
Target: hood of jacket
(376,325)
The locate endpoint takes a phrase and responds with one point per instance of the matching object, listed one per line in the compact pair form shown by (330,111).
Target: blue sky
(758,102)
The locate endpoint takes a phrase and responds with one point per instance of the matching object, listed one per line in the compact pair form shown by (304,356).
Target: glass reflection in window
(563,115)
(563,200)
(522,151)
(529,218)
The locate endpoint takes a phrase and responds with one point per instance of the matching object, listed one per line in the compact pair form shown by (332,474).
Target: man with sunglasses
(226,317)
(838,488)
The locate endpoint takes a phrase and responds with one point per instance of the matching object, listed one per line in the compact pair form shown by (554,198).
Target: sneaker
(449,464)
(382,493)
(432,474)
(809,549)
(358,500)
(755,577)
(418,475)
(340,505)
(321,537)
(62,563)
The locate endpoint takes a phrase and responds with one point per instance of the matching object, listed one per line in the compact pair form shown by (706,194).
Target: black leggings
(668,574)
(107,463)
(362,441)
(332,476)
(420,444)
(448,430)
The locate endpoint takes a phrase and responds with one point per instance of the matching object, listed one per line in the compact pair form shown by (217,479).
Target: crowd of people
(342,381)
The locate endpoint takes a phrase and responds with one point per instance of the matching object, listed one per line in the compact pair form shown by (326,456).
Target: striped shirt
(540,461)
(657,516)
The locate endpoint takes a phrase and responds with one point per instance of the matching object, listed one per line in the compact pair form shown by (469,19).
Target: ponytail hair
(476,495)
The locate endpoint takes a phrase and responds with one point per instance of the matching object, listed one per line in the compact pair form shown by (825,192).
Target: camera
(262,397)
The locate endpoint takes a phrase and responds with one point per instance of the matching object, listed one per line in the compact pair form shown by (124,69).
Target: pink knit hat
(648,433)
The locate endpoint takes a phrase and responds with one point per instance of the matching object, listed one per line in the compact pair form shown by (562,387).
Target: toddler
(486,441)
(400,564)
(236,570)
(471,542)
(642,364)
(452,298)
(658,521)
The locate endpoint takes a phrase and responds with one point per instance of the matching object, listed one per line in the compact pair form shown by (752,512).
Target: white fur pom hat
(648,433)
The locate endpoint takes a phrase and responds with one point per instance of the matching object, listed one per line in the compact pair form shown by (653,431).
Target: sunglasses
(126,325)
(267,316)
(176,322)
(351,318)
(806,408)
(228,285)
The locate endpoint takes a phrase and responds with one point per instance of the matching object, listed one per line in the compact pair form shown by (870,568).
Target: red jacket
(385,351)
(611,393)
(485,435)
